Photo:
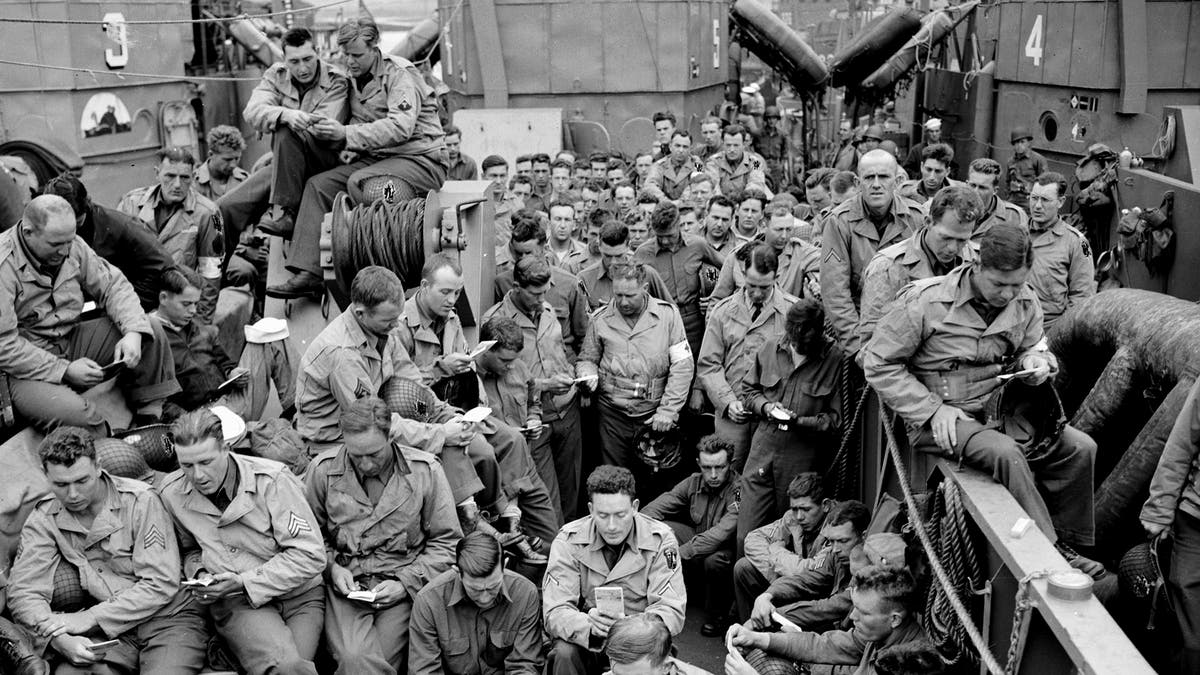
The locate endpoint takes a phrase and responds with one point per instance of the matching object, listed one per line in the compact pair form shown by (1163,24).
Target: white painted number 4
(1033,46)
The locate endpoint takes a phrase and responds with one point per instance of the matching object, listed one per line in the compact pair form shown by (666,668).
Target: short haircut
(713,444)
(597,157)
(1006,247)
(665,217)
(893,584)
(492,160)
(985,165)
(664,115)
(712,120)
(596,185)
(296,37)
(177,279)
(617,163)
(735,130)
(197,426)
(648,196)
(560,164)
(562,203)
(532,270)
(1053,178)
(69,187)
(637,637)
(752,194)
(939,152)
(176,155)
(504,331)
(643,153)
(478,554)
(959,198)
(681,133)
(720,200)
(611,480)
(528,228)
(520,180)
(66,445)
(363,28)
(843,181)
(850,511)
(451,130)
(761,258)
(439,261)
(581,165)
(614,233)
(598,217)
(630,271)
(521,159)
(540,158)
(807,484)
(819,177)
(224,138)
(365,414)
(39,210)
(701,177)
(375,285)
(625,184)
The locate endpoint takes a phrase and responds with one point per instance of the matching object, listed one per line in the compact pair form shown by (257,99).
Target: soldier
(642,163)
(799,261)
(430,331)
(938,247)
(1063,273)
(983,176)
(678,261)
(772,145)
(718,220)
(563,246)
(817,193)
(462,167)
(664,131)
(735,169)
(476,618)
(220,173)
(540,199)
(114,533)
(250,539)
(187,223)
(932,134)
(641,644)
(613,546)
(710,136)
(737,328)
(636,357)
(853,232)
(394,130)
(934,360)
(1024,167)
(702,512)
(935,174)
(47,352)
(388,517)
(749,221)
(614,248)
(788,546)
(672,173)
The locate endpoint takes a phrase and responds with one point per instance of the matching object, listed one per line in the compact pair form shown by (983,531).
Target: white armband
(209,268)
(680,351)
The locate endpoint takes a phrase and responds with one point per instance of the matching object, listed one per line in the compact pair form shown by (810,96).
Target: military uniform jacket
(842,647)
(1020,174)
(409,535)
(732,340)
(916,191)
(543,352)
(396,113)
(644,369)
(810,390)
(1001,212)
(128,560)
(735,179)
(712,512)
(673,179)
(201,364)
(276,92)
(424,346)
(817,596)
(124,241)
(798,273)
(849,241)
(203,183)
(1176,483)
(567,298)
(38,313)
(648,571)
(192,236)
(932,328)
(514,397)
(267,534)
(1063,273)
(597,286)
(780,549)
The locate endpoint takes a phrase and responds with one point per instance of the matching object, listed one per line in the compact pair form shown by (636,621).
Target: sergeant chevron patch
(297,525)
(153,538)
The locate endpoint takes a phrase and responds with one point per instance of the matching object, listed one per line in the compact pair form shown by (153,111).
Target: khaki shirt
(1001,212)
(514,397)
(782,548)
(38,314)
(268,534)
(731,341)
(1063,273)
(933,328)
(649,572)
(849,241)
(712,512)
(396,113)
(128,560)
(415,333)
(277,92)
(644,369)
(672,179)
(915,190)
(732,180)
(1020,174)
(597,286)
(680,268)
(409,535)
(448,633)
(543,352)
(798,273)
(192,236)
(843,647)
(565,295)
(203,183)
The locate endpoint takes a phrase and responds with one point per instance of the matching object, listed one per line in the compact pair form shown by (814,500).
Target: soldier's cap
(933,124)
(266,329)
(885,548)
(751,88)
(873,132)
(1019,134)
(772,113)
(233,427)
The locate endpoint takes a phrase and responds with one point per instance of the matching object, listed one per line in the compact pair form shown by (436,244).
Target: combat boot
(16,652)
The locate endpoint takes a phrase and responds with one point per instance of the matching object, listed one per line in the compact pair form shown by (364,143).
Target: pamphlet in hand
(101,647)
(610,600)
(198,583)
(476,415)
(482,347)
(785,624)
(362,596)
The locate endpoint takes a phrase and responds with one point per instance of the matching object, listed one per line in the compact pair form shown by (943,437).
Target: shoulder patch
(671,555)
(404,104)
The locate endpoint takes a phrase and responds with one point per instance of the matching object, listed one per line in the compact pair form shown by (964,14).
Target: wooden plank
(1086,631)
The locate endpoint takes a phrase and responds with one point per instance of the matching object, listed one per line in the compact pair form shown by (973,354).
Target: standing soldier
(853,232)
(114,533)
(983,176)
(734,169)
(772,145)
(737,328)
(932,133)
(799,261)
(462,167)
(672,173)
(250,539)
(387,515)
(636,357)
(936,160)
(614,248)
(710,136)
(613,546)
(1024,167)
(1063,273)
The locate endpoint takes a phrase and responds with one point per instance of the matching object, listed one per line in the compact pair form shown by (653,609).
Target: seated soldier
(47,351)
(884,615)
(478,617)
(786,547)
(430,330)
(251,542)
(613,546)
(386,511)
(702,512)
(205,371)
(120,239)
(187,224)
(119,539)
(220,172)
(641,644)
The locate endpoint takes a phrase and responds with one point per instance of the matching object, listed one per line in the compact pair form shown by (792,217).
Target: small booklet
(482,347)
(362,596)
(610,600)
(476,415)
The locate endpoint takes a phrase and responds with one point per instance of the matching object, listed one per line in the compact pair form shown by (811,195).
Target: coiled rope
(388,234)
(948,529)
(842,477)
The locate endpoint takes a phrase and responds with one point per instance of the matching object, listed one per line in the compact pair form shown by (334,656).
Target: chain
(1016,641)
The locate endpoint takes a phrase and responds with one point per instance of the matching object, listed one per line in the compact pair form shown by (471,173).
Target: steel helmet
(409,399)
(156,445)
(121,459)
(1032,415)
(658,449)
(1019,134)
(873,132)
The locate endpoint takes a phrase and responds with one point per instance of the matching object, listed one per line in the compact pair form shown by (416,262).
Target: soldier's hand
(328,130)
(736,664)
(77,623)
(83,373)
(737,413)
(557,384)
(240,377)
(1153,530)
(342,580)
(600,622)
(458,434)
(388,593)
(129,350)
(944,425)
(590,383)
(224,585)
(741,637)
(456,364)
(760,615)
(297,120)
(661,422)
(1041,367)
(74,648)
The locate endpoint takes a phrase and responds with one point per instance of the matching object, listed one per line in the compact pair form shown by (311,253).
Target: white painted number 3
(1033,46)
(116,28)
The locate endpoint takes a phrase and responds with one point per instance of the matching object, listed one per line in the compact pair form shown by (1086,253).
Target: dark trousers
(776,457)
(748,584)
(1054,488)
(708,576)
(566,445)
(617,447)
(542,452)
(1183,587)
(568,658)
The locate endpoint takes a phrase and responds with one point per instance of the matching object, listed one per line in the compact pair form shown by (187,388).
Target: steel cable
(382,233)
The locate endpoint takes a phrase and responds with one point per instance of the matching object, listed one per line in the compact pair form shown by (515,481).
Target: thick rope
(841,478)
(159,22)
(385,234)
(964,616)
(954,546)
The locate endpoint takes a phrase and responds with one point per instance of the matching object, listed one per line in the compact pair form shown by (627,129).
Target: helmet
(1140,576)
(658,449)
(1032,415)
(121,459)
(873,132)
(1019,134)
(68,594)
(390,189)
(156,445)
(409,399)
